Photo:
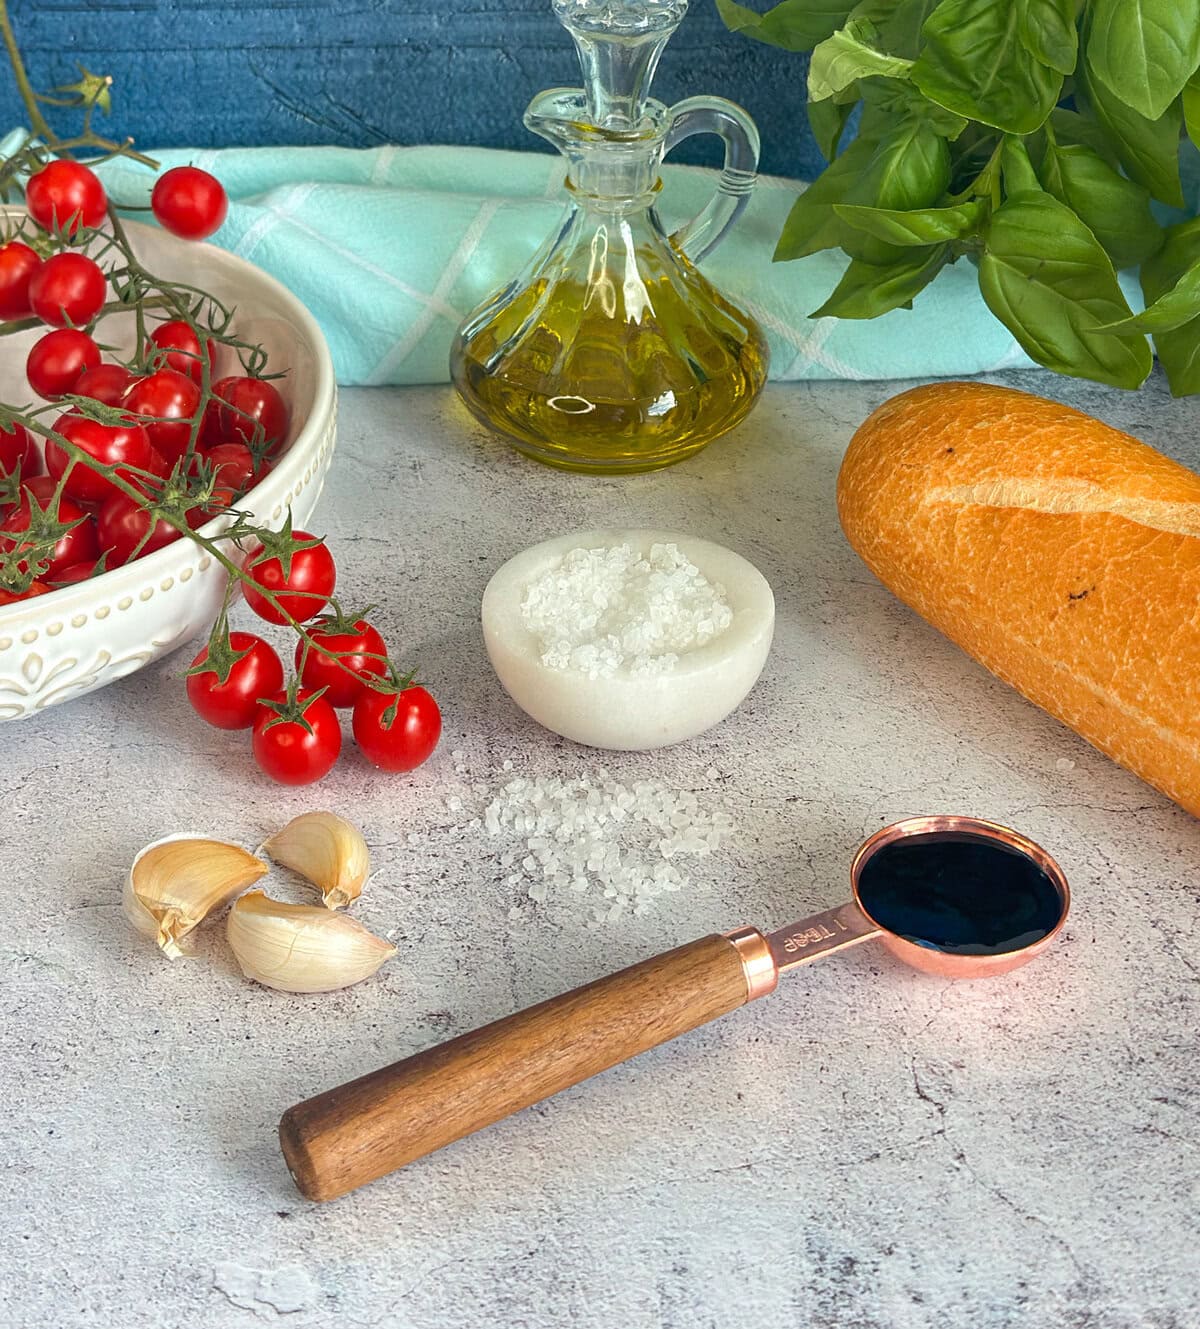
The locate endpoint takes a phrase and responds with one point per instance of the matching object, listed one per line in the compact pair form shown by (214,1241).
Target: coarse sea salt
(619,844)
(598,611)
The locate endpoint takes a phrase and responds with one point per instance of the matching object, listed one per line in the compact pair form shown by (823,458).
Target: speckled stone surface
(866,1149)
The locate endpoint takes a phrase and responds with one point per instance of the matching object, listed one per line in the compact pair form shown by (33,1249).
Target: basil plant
(1037,138)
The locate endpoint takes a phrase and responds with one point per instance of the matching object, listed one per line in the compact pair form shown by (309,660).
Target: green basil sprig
(1032,137)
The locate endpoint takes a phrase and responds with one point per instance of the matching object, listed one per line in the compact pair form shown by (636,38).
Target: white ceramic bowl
(625,711)
(58,646)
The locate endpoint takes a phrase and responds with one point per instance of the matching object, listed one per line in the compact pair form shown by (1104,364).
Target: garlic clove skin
(176,882)
(326,850)
(301,947)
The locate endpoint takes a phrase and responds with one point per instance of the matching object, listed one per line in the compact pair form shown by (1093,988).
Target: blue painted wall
(211,73)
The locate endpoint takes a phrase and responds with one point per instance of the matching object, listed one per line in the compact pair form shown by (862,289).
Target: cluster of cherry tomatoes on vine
(170,433)
(76,520)
(341,660)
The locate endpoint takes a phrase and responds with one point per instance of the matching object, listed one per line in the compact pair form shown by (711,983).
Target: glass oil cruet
(610,352)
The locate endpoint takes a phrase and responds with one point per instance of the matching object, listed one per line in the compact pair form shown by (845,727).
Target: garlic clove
(301,947)
(176,882)
(326,850)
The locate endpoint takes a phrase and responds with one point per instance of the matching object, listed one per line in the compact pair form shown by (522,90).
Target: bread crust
(1059,552)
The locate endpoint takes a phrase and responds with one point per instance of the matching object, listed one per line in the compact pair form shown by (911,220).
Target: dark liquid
(959,893)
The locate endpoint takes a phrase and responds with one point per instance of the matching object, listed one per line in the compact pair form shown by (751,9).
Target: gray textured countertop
(866,1149)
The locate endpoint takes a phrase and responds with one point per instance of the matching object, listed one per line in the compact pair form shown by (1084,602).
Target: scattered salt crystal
(595,835)
(1064,764)
(601,610)
(507,764)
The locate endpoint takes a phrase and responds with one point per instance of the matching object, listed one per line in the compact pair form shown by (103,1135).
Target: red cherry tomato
(66,196)
(250,410)
(76,573)
(178,348)
(404,741)
(18,263)
(76,546)
(58,360)
(303,593)
(172,397)
(234,472)
(189,202)
(18,452)
(124,529)
(68,290)
(232,703)
(287,751)
(35,588)
(357,649)
(108,444)
(106,383)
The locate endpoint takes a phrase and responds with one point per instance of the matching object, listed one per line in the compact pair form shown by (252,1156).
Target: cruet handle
(714,115)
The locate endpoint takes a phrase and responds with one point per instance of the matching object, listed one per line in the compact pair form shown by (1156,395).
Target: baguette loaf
(1061,553)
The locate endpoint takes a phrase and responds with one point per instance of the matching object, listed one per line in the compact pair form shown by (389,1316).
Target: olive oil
(611,352)
(577,388)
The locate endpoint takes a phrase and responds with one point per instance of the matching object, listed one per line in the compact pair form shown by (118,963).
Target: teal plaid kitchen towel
(391,247)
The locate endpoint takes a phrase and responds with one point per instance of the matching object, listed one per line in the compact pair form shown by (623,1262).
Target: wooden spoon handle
(362,1130)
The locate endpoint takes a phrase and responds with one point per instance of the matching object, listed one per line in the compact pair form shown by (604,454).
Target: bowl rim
(291,464)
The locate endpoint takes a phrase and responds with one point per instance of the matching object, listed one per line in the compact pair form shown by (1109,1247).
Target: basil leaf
(908,168)
(1017,169)
(1148,149)
(1047,32)
(812,224)
(1175,307)
(795,25)
(1191,108)
(1178,348)
(900,31)
(1046,278)
(1071,127)
(827,120)
(974,63)
(887,100)
(849,55)
(917,226)
(867,290)
(1114,209)
(1144,51)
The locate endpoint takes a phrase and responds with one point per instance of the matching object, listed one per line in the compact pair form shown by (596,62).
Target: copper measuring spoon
(360,1131)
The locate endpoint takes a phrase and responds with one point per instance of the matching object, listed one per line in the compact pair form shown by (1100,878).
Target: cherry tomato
(124,527)
(18,452)
(66,196)
(287,751)
(250,410)
(181,347)
(68,290)
(303,593)
(18,263)
(357,647)
(57,361)
(108,444)
(106,383)
(76,546)
(233,703)
(235,469)
(406,740)
(189,202)
(35,588)
(174,398)
(76,573)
